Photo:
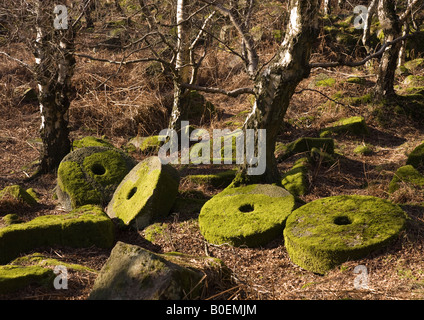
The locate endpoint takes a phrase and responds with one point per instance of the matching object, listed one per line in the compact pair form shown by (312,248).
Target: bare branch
(366,59)
(18,61)
(232,93)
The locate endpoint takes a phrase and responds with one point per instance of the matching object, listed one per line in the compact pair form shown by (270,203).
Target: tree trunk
(54,69)
(276,85)
(182,67)
(367,26)
(389,21)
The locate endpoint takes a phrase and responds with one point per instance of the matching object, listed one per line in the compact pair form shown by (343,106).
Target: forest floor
(395,272)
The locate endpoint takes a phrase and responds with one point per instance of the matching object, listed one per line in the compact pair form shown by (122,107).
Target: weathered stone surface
(327,232)
(407,175)
(82,227)
(90,141)
(416,157)
(250,215)
(13,278)
(134,273)
(145,194)
(15,195)
(303,145)
(354,125)
(90,175)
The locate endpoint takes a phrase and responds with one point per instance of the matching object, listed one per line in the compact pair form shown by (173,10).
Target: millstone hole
(131,193)
(246,208)
(98,169)
(342,220)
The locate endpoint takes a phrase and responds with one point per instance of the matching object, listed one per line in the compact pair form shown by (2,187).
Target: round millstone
(250,215)
(90,175)
(328,232)
(146,193)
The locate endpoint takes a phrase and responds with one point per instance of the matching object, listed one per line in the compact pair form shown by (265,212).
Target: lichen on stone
(82,227)
(13,278)
(408,175)
(146,193)
(354,125)
(90,175)
(327,232)
(91,141)
(251,215)
(416,157)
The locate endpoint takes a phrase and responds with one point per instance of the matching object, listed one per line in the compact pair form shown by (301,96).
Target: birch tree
(54,69)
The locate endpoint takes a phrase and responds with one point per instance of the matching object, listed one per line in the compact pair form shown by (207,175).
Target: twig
(323,94)
(18,61)
(232,93)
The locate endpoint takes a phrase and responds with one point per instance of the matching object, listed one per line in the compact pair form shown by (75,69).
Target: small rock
(134,273)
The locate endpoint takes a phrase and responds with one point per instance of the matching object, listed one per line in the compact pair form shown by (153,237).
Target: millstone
(328,232)
(249,215)
(146,193)
(90,175)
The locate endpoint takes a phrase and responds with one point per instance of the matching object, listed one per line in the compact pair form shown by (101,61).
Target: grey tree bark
(54,69)
(275,86)
(391,25)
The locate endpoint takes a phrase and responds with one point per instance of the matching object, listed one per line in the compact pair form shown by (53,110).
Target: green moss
(326,82)
(365,99)
(151,145)
(83,227)
(353,125)
(356,80)
(365,150)
(318,157)
(296,179)
(13,278)
(91,142)
(251,215)
(409,175)
(147,192)
(90,175)
(414,81)
(414,65)
(38,259)
(217,180)
(11,218)
(304,145)
(154,230)
(18,194)
(416,157)
(327,232)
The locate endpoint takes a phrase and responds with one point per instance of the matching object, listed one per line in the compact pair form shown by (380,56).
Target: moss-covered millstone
(249,215)
(327,232)
(83,227)
(13,278)
(90,141)
(145,194)
(408,175)
(90,175)
(353,125)
(134,273)
(416,157)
